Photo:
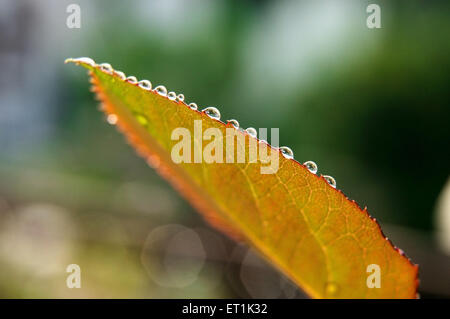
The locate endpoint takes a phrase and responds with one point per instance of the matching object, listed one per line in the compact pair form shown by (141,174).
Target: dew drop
(172,96)
(212,112)
(180,97)
(251,131)
(161,90)
(311,166)
(106,67)
(234,123)
(331,289)
(111,119)
(131,79)
(120,74)
(330,180)
(145,84)
(193,106)
(287,152)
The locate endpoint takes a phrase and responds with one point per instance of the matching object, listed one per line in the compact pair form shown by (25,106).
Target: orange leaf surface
(309,230)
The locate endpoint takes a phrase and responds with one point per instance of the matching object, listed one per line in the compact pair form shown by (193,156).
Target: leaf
(309,230)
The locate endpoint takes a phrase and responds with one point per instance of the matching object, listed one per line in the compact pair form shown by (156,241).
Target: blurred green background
(369,106)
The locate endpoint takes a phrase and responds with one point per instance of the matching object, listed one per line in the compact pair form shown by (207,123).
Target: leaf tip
(82,60)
